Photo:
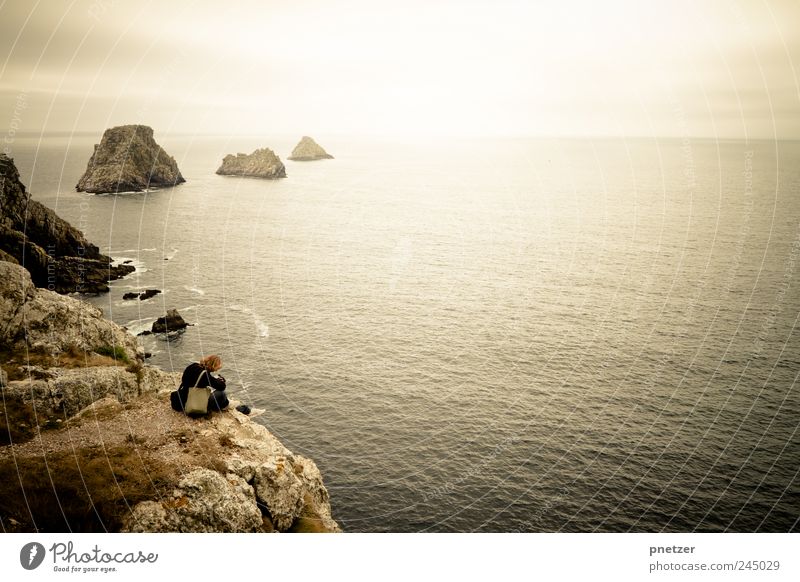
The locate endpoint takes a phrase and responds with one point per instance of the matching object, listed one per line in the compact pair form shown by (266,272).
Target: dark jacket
(190,377)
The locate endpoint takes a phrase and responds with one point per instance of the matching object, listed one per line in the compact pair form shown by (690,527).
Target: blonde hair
(211,363)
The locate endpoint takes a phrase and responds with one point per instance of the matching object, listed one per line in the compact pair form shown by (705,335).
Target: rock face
(56,254)
(262,163)
(128,159)
(172,321)
(260,486)
(43,321)
(307,150)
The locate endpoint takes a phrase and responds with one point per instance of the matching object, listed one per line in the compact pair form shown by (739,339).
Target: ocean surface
(486,335)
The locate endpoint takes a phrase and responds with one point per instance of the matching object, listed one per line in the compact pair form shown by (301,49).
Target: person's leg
(175,401)
(218,401)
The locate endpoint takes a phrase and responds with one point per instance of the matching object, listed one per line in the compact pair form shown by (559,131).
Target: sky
(717,68)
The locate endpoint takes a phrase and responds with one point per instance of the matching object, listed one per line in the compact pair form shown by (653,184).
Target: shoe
(243,408)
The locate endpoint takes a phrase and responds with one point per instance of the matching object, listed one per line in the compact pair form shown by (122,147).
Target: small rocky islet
(128,159)
(262,163)
(307,150)
(80,405)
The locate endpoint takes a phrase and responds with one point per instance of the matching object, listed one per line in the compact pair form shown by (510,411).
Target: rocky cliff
(128,159)
(56,254)
(88,441)
(308,150)
(262,163)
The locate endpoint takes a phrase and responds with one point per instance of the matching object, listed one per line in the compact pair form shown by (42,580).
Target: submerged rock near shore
(307,150)
(128,159)
(262,163)
(79,406)
(56,254)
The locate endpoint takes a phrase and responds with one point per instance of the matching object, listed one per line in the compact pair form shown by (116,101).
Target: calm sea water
(506,335)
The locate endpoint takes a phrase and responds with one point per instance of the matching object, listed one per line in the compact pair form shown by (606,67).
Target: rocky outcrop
(43,321)
(307,150)
(259,486)
(141,296)
(172,321)
(56,254)
(107,432)
(63,393)
(128,159)
(262,163)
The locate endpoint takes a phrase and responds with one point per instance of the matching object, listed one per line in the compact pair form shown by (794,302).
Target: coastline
(101,428)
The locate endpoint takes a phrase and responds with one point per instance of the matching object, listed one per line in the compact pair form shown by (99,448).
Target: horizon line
(403,137)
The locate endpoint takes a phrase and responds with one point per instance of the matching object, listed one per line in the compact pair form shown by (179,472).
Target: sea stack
(262,163)
(56,254)
(308,150)
(128,159)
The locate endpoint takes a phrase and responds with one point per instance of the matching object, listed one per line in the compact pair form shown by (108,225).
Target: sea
(485,335)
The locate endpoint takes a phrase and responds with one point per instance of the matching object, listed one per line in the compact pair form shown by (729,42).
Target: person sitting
(199,374)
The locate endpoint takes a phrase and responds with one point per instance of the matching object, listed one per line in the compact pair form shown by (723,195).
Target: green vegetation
(117,353)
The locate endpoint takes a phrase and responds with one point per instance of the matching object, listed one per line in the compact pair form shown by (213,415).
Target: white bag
(197,401)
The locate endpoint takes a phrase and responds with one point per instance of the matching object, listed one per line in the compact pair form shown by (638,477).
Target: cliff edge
(88,441)
(56,254)
(128,159)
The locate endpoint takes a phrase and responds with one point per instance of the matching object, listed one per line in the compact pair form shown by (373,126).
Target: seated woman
(199,374)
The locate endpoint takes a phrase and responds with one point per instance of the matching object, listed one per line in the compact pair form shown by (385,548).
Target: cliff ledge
(88,436)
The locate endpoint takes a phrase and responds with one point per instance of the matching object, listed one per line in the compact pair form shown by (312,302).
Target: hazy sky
(711,68)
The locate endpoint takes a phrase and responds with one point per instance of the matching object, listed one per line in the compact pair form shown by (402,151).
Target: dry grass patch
(90,490)
(17,420)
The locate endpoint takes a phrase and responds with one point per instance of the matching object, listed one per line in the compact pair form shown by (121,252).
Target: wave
(194,290)
(261,326)
(135,326)
(137,264)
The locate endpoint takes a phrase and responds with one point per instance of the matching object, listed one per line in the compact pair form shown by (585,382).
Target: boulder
(141,296)
(279,489)
(45,322)
(262,163)
(203,501)
(56,254)
(148,293)
(172,321)
(308,150)
(128,159)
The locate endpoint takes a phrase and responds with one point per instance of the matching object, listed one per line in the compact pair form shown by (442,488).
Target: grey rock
(262,163)
(204,501)
(4,256)
(128,159)
(280,490)
(44,321)
(67,392)
(307,150)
